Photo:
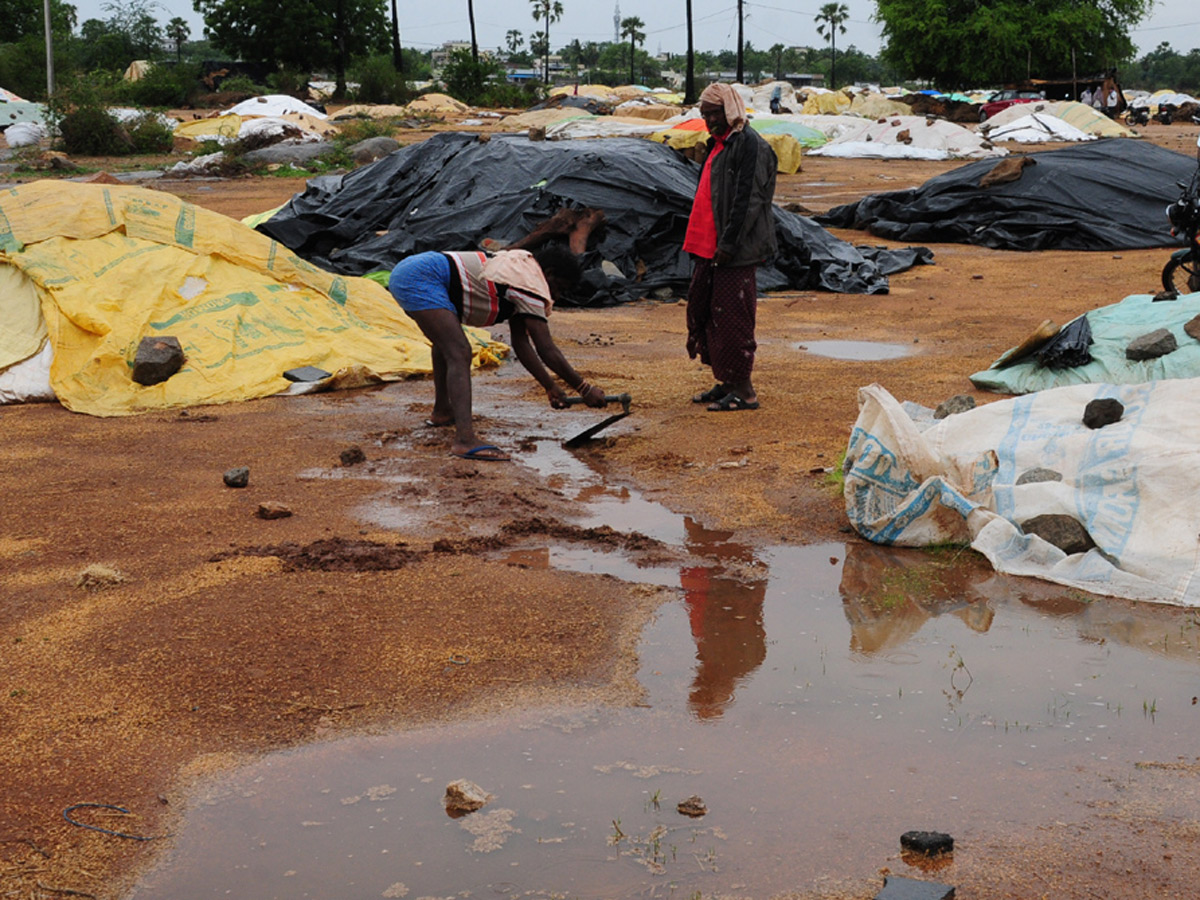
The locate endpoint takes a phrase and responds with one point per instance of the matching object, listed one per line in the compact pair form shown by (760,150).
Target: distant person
(442,291)
(776,98)
(730,231)
(1086,97)
(1098,99)
(1112,103)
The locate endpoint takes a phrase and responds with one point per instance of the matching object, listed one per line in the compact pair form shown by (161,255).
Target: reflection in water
(888,594)
(726,616)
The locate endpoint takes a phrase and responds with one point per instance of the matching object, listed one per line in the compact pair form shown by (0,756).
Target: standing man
(730,231)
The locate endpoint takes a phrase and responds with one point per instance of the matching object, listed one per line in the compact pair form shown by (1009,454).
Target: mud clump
(514,530)
(333,555)
(604,534)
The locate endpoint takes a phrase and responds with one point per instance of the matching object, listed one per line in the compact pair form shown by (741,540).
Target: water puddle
(820,700)
(858,350)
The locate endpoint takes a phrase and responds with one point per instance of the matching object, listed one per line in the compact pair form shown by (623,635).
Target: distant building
(441,56)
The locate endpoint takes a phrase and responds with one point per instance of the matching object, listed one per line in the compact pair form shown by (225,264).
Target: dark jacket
(743,191)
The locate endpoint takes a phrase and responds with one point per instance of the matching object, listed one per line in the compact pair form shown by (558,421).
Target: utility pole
(49,51)
(740,59)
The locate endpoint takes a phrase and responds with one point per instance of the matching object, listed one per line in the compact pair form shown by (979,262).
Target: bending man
(444,291)
(730,231)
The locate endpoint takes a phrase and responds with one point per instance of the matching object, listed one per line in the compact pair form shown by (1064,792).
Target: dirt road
(219,635)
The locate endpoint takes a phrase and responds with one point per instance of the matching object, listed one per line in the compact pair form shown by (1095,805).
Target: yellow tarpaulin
(111,265)
(436,103)
(226,126)
(787,149)
(875,106)
(831,103)
(1087,119)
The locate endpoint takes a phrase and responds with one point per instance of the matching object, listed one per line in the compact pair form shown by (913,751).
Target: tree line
(947,44)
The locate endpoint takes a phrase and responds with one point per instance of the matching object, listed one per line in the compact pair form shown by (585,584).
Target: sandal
(714,394)
(732,403)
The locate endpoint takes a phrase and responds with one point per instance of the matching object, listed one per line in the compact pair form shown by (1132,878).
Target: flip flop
(479,453)
(429,423)
(714,394)
(732,403)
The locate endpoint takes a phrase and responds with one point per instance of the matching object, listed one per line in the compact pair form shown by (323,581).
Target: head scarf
(518,268)
(721,94)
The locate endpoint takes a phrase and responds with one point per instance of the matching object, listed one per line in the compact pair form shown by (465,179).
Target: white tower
(617,23)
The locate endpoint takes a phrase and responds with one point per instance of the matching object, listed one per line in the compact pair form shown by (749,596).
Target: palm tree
(831,16)
(689,87)
(629,29)
(551,11)
(513,40)
(777,51)
(573,54)
(178,31)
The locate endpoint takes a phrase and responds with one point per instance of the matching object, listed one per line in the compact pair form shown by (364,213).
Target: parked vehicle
(1137,115)
(1166,113)
(1004,99)
(1181,274)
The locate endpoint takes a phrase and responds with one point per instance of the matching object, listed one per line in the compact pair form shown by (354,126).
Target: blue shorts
(421,282)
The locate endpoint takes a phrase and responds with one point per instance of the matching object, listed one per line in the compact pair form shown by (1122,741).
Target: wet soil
(224,635)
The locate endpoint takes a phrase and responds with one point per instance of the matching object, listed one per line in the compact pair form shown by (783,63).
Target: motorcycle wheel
(1182,275)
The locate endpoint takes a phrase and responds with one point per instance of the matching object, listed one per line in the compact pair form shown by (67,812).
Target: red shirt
(701,237)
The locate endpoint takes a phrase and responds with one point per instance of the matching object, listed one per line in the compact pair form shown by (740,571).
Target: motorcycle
(1166,113)
(1181,274)
(1137,115)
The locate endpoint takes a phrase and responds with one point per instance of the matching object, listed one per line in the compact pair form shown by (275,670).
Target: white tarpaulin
(907,137)
(1037,128)
(913,481)
(274,105)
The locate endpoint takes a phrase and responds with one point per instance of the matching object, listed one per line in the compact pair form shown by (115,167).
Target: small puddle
(860,350)
(821,701)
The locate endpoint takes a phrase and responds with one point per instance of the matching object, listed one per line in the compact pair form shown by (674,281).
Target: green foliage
(23,67)
(547,12)
(418,66)
(149,134)
(378,81)
(466,79)
(177,32)
(288,80)
(301,33)
(835,478)
(25,18)
(351,131)
(92,131)
(77,113)
(1164,68)
(968,43)
(501,94)
(130,32)
(241,84)
(167,86)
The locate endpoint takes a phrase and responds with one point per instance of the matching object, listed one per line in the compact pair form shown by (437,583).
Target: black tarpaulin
(1103,195)
(453,191)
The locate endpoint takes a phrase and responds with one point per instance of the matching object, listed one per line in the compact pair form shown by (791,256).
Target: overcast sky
(424,25)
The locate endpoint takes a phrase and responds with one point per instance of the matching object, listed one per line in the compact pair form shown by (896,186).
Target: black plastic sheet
(1102,195)
(453,191)
(1068,348)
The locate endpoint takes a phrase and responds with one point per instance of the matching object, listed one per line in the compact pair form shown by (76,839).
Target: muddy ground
(216,634)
